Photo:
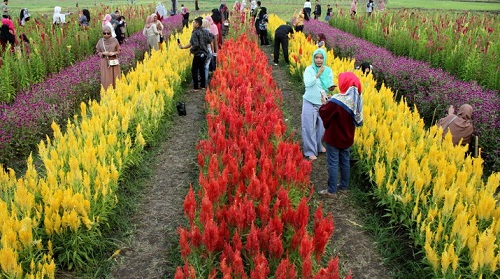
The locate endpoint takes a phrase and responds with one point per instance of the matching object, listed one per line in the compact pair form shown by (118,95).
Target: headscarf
(253,4)
(205,24)
(58,16)
(161,10)
(326,82)
(109,43)
(107,19)
(350,96)
(149,21)
(216,16)
(459,125)
(25,16)
(224,11)
(213,27)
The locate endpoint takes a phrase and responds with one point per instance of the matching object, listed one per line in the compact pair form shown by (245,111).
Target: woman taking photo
(341,115)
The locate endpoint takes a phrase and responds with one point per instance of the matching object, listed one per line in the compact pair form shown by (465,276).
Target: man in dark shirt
(317,10)
(281,37)
(198,46)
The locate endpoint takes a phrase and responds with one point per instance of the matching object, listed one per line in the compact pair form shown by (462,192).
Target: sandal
(312,157)
(323,150)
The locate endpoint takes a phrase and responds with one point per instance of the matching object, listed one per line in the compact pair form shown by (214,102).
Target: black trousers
(308,11)
(263,38)
(283,41)
(198,71)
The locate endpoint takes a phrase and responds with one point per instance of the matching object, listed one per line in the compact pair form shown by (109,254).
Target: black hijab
(216,16)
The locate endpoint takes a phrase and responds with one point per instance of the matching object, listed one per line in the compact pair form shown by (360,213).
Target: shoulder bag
(111,62)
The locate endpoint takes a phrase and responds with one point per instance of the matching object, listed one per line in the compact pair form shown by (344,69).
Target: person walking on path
(354,8)
(255,16)
(317,10)
(185,16)
(341,115)
(329,12)
(281,38)
(108,50)
(307,7)
(262,30)
(198,47)
(318,79)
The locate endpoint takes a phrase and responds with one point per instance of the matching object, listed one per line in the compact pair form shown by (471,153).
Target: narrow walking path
(355,247)
(161,210)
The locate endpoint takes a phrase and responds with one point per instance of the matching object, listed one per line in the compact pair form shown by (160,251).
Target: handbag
(111,62)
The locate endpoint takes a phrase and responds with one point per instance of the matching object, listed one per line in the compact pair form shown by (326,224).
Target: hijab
(109,43)
(106,20)
(25,16)
(213,27)
(326,82)
(161,10)
(149,21)
(459,125)
(216,16)
(58,17)
(350,96)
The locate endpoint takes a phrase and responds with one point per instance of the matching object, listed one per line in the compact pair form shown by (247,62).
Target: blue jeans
(335,158)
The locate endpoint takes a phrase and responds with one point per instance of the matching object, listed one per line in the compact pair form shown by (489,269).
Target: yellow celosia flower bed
(429,185)
(73,197)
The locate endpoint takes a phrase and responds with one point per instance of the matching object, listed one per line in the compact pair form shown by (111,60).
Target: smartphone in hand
(178,41)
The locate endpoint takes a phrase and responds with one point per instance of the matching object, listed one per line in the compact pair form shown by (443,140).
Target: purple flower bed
(27,120)
(431,90)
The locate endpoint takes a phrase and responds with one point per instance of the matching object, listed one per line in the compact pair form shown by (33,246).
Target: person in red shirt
(341,115)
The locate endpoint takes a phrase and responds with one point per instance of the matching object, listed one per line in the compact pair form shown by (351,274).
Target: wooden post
(476,146)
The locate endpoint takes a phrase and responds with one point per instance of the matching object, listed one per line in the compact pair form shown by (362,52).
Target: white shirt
(307,4)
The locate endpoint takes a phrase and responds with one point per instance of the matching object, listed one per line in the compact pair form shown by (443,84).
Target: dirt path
(161,209)
(355,247)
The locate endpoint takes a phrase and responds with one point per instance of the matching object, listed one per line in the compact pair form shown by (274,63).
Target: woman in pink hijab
(354,8)
(106,21)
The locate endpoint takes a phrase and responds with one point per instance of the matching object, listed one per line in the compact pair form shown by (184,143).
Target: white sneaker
(275,64)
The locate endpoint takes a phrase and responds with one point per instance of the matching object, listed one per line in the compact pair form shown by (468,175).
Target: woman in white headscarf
(58,17)
(25,16)
(161,11)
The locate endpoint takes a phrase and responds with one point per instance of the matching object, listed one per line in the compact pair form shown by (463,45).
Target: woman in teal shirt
(318,80)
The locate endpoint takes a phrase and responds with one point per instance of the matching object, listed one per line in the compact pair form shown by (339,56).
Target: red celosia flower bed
(250,217)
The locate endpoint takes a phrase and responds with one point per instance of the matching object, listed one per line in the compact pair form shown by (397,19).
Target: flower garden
(250,216)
